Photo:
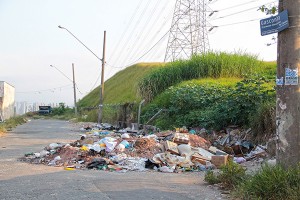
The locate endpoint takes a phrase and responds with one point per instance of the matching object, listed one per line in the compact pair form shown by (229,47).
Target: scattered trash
(129,149)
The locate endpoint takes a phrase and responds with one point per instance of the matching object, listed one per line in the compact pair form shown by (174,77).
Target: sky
(30,40)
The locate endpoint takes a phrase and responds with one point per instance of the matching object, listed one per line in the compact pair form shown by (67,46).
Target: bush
(12,123)
(271,183)
(230,175)
(211,178)
(263,122)
(212,106)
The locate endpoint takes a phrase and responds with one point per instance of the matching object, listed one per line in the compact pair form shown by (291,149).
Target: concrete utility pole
(288,96)
(74,87)
(100,114)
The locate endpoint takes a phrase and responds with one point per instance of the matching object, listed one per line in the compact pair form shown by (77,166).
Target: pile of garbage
(126,150)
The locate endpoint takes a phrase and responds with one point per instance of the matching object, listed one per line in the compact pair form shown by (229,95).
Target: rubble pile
(169,151)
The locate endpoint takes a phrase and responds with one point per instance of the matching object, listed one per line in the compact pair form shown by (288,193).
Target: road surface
(19,180)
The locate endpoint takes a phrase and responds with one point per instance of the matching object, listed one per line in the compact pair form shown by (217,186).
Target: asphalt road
(19,180)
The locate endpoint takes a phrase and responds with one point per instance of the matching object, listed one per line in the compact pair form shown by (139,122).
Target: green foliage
(199,66)
(214,105)
(12,123)
(230,175)
(271,183)
(60,110)
(211,178)
(263,121)
(119,89)
(269,10)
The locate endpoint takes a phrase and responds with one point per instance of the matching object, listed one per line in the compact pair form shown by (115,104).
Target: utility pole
(74,87)
(288,96)
(100,114)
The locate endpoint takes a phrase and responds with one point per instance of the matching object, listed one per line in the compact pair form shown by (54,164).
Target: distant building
(7,100)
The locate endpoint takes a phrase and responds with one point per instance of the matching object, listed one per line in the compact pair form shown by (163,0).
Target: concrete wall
(7,100)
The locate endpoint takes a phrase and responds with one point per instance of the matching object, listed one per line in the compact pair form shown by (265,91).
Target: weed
(262,122)
(211,178)
(271,183)
(11,123)
(230,175)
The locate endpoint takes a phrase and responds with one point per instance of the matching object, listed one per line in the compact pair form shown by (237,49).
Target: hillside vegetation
(122,87)
(210,90)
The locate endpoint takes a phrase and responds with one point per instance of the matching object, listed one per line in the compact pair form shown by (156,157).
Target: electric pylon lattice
(188,33)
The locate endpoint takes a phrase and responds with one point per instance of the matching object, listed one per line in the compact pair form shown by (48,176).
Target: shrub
(263,122)
(212,106)
(230,175)
(271,183)
(211,178)
(12,123)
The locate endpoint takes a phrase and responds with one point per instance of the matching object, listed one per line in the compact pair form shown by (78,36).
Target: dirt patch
(2,134)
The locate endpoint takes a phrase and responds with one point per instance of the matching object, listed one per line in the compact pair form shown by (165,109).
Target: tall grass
(11,123)
(211,64)
(271,183)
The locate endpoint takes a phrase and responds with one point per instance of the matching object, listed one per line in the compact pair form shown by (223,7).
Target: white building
(7,100)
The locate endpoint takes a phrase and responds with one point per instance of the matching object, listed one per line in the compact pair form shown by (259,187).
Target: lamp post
(100,113)
(74,84)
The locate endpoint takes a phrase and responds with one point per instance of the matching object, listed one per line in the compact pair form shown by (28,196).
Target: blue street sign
(274,24)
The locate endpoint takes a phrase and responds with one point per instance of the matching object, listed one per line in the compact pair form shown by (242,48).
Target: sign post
(274,24)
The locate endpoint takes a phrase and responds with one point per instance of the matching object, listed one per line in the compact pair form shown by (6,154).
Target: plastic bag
(109,145)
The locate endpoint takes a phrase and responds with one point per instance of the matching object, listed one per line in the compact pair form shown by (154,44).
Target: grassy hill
(119,89)
(216,75)
(122,87)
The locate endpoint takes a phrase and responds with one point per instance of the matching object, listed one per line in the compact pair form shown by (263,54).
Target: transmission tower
(188,32)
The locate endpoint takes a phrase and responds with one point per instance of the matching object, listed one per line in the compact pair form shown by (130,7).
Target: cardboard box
(181,138)
(171,147)
(200,159)
(218,161)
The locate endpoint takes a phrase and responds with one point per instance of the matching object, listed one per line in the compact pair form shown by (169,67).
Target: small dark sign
(274,24)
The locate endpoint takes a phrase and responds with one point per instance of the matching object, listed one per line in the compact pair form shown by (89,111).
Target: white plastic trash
(120,147)
(166,169)
(110,145)
(53,146)
(125,136)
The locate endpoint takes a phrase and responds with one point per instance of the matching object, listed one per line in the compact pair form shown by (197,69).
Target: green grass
(211,64)
(11,123)
(122,87)
(148,80)
(271,183)
(119,89)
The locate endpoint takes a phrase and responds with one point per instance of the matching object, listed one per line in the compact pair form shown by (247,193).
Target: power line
(149,31)
(242,4)
(46,90)
(126,29)
(136,25)
(131,33)
(222,17)
(141,33)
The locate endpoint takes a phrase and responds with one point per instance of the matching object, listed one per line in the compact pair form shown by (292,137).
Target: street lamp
(74,84)
(100,115)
